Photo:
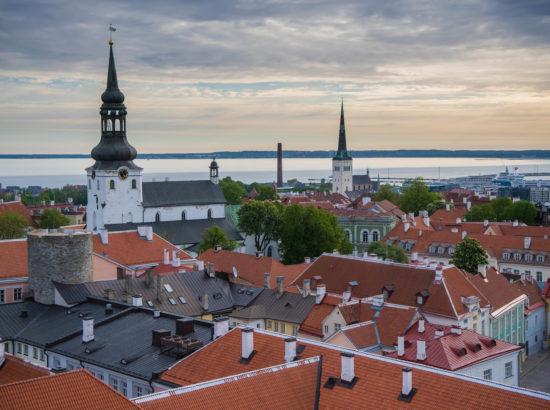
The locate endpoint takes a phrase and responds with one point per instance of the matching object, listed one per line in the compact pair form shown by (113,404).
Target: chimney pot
(137,300)
(420,349)
(166,257)
(290,349)
(221,326)
(247,342)
(407,382)
(348,369)
(204,301)
(307,288)
(87,329)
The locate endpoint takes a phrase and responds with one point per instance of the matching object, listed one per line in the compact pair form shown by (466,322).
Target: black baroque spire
(113,149)
(342,150)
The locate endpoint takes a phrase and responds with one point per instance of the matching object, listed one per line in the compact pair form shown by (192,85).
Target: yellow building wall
(277,326)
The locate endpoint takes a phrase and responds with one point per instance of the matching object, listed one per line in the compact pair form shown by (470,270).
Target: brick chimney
(87,329)
(420,349)
(290,349)
(400,346)
(247,343)
(348,369)
(221,326)
(280,286)
(266,280)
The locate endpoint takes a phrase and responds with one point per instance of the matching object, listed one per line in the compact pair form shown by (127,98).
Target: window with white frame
(539,276)
(517,256)
(432,249)
(528,258)
(441,250)
(508,370)
(506,256)
(488,374)
(26,350)
(35,353)
(451,251)
(375,236)
(540,258)
(17,294)
(365,236)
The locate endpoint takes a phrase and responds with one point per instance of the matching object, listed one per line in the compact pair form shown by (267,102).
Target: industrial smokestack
(279,165)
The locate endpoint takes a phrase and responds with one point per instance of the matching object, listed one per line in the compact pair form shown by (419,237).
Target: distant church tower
(342,170)
(214,171)
(114,181)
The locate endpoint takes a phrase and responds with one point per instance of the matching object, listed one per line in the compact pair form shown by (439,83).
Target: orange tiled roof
(71,390)
(313,324)
(442,216)
(362,335)
(296,386)
(128,249)
(16,369)
(251,269)
(495,287)
(372,276)
(19,208)
(379,379)
(13,259)
(446,352)
(534,294)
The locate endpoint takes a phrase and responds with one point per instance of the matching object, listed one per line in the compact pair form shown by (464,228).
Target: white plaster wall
(497,365)
(342,180)
(333,317)
(173,213)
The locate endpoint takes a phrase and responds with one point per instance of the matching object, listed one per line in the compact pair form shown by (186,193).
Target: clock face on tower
(123,173)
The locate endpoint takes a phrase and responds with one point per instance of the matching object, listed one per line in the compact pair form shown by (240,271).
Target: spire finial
(111,29)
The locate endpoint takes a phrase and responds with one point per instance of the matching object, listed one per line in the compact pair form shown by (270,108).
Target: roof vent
(24,313)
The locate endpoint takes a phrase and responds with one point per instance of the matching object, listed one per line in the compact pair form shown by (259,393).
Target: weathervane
(111,29)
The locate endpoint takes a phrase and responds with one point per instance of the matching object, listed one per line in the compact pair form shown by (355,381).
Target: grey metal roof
(169,193)
(11,320)
(361,179)
(243,295)
(180,233)
(129,337)
(290,307)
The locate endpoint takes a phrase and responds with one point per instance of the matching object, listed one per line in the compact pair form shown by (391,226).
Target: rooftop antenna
(111,29)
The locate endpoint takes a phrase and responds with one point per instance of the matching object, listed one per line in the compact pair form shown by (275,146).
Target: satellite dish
(234,271)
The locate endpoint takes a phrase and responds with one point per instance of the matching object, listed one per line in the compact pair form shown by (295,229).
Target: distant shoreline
(527,154)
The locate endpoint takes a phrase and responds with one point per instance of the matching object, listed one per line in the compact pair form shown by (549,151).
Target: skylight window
(149,303)
(168,288)
(172,301)
(182,300)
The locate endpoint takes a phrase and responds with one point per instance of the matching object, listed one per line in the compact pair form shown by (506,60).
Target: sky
(203,76)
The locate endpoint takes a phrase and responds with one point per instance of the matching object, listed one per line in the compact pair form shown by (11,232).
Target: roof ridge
(227,379)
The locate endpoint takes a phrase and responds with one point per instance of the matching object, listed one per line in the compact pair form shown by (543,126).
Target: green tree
(266,192)
(308,231)
(468,255)
(12,225)
(416,196)
(216,236)
(52,219)
(499,206)
(479,213)
(386,192)
(386,251)
(433,206)
(523,211)
(233,191)
(261,220)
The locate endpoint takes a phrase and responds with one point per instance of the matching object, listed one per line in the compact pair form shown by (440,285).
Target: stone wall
(64,257)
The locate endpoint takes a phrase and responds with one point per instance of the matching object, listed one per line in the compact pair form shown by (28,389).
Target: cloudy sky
(203,75)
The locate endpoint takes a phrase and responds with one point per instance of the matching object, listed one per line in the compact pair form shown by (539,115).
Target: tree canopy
(233,191)
(52,219)
(386,192)
(503,209)
(468,255)
(523,211)
(12,225)
(416,196)
(216,236)
(308,231)
(386,251)
(266,192)
(261,220)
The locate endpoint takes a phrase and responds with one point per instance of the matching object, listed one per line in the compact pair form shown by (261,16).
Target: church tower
(342,170)
(214,171)
(114,181)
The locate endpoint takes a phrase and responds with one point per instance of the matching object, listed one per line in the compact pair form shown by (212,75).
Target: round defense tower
(60,256)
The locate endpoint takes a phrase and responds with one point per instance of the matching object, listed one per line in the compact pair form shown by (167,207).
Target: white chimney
(482,269)
(87,329)
(464,233)
(439,333)
(348,369)
(421,326)
(406,226)
(176,262)
(280,286)
(104,236)
(217,248)
(320,293)
(1,352)
(527,242)
(346,295)
(458,220)
(452,201)
(468,205)
(247,342)
(438,273)
(464,200)
(411,215)
(400,346)
(306,288)
(485,223)
(456,330)
(427,221)
(174,254)
(146,231)
(414,256)
(166,257)
(420,349)
(515,223)
(290,349)
(259,254)
(200,265)
(448,207)
(420,233)
(137,300)
(221,326)
(335,251)
(407,382)
(52,203)
(266,280)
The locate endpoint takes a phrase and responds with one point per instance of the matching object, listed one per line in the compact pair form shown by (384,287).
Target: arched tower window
(112,184)
(183,215)
(209,213)
(157,217)
(134,184)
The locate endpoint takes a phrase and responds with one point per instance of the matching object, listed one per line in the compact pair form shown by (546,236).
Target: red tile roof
(452,351)
(362,335)
(15,369)
(19,208)
(13,259)
(251,269)
(373,275)
(127,248)
(378,385)
(534,294)
(313,324)
(442,216)
(296,387)
(71,390)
